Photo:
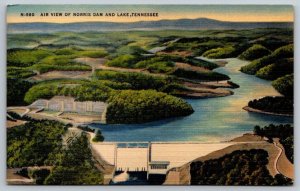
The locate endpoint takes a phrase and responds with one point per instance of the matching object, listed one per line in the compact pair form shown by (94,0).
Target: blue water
(214,119)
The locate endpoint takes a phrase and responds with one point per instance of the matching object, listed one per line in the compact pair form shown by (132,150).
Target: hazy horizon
(151,20)
(227,13)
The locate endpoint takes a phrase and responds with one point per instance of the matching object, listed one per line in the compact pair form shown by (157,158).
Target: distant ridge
(179,24)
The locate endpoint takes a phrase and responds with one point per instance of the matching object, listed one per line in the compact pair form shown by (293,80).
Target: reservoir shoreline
(250,109)
(214,120)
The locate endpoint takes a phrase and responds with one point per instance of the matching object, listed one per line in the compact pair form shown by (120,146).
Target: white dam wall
(132,159)
(179,154)
(157,157)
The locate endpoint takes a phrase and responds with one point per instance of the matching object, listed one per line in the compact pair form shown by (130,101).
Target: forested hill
(179,24)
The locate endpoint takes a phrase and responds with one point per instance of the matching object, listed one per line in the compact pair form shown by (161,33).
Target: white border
(4,187)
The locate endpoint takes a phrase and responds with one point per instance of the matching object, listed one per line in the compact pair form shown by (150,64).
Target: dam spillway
(153,157)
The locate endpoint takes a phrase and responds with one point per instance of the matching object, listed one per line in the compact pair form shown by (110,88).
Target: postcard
(150,95)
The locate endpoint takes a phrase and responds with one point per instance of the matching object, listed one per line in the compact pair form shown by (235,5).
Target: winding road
(277,157)
(281,164)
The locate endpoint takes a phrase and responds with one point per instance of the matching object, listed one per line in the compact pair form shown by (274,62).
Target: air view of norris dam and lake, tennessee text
(150,95)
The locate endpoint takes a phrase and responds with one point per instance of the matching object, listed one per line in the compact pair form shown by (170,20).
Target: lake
(214,119)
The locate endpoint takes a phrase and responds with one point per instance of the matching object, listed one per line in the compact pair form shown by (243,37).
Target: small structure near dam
(68,104)
(153,157)
(67,110)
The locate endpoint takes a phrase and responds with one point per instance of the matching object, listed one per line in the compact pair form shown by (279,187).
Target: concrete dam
(153,157)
